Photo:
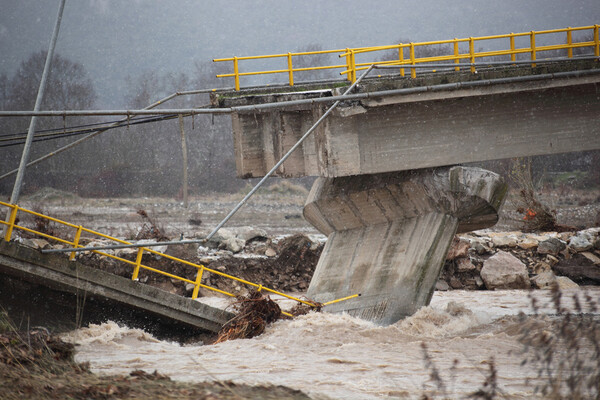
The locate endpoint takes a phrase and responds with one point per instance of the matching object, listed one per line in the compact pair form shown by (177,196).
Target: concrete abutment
(388,235)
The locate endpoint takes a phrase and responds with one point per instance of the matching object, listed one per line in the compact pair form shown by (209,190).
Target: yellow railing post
(413,71)
(532,44)
(198,282)
(597,40)
(401,57)
(138,262)
(11,222)
(236,73)
(456,53)
(472,54)
(76,242)
(290,69)
(348,65)
(569,42)
(353,63)
(513,55)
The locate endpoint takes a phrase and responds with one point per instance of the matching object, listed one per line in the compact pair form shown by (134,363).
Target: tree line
(135,159)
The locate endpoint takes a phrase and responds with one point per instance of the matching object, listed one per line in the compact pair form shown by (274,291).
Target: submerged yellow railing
(11,225)
(456,55)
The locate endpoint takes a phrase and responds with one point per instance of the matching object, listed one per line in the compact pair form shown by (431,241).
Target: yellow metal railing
(11,225)
(351,66)
(289,70)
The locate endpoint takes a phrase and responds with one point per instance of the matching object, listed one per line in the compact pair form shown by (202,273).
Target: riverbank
(38,365)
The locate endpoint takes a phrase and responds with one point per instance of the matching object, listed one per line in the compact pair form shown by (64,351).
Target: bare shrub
(536,215)
(566,356)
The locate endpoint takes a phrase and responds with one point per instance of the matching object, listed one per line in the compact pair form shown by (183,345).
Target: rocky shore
(481,260)
(516,260)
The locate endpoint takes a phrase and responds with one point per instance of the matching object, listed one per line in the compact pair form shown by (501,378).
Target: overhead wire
(59,133)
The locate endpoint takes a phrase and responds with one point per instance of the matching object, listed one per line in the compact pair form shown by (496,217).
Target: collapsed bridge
(389,194)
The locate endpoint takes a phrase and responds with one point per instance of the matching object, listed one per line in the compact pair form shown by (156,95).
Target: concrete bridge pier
(389,233)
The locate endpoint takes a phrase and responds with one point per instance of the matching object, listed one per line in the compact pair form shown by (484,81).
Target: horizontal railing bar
(402,64)
(480,64)
(281,71)
(282,55)
(72,113)
(125,244)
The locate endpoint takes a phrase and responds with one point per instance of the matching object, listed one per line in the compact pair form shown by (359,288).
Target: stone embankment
(476,261)
(517,260)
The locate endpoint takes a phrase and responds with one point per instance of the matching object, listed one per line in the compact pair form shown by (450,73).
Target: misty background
(114,54)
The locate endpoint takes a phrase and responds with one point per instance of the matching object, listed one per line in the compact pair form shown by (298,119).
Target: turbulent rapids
(464,333)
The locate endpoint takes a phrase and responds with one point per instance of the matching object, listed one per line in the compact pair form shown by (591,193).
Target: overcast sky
(116,38)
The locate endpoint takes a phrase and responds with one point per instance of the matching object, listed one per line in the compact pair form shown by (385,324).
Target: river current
(341,357)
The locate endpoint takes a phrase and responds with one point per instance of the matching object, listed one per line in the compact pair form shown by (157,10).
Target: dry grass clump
(150,228)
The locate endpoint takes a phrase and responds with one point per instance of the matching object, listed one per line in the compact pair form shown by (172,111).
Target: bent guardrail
(12,225)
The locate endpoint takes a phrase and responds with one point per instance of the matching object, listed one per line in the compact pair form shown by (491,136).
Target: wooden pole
(185,162)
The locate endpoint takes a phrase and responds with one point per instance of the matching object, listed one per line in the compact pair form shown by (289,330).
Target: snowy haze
(117,38)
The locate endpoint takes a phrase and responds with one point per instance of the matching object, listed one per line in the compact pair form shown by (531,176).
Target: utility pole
(185,161)
(14,198)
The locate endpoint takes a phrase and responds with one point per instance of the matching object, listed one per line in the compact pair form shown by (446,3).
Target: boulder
(479,247)
(465,265)
(541,267)
(247,233)
(551,246)
(592,257)
(37,243)
(504,241)
(527,243)
(583,241)
(565,283)
(580,269)
(220,238)
(505,271)
(544,280)
(459,248)
(234,244)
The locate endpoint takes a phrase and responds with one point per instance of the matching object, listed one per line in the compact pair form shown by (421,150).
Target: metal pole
(14,198)
(290,151)
(123,246)
(185,162)
(129,113)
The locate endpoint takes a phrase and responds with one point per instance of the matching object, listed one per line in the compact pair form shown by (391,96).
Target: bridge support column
(388,234)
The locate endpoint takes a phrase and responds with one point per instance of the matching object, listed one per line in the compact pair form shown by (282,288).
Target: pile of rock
(517,260)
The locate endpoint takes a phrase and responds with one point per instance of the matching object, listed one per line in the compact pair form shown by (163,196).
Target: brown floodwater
(341,357)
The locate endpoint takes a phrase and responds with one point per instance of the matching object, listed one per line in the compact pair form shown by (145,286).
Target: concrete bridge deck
(395,124)
(50,290)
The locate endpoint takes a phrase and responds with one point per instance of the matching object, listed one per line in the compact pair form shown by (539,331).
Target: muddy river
(340,357)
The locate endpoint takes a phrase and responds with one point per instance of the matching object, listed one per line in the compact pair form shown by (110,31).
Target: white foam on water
(343,357)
